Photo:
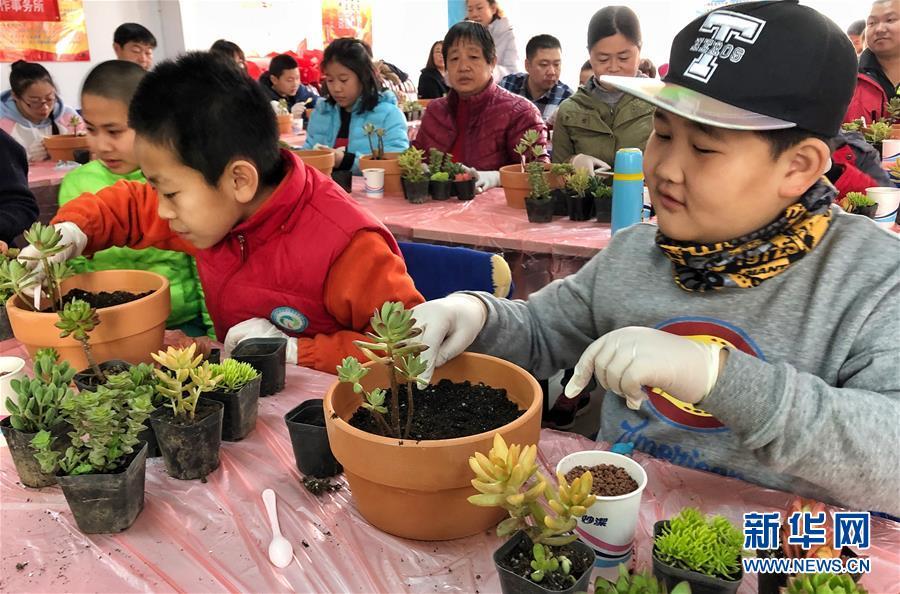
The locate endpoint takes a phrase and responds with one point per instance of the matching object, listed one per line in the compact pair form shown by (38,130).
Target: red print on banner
(29,10)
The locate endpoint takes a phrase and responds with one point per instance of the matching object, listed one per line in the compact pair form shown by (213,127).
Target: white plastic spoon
(281,553)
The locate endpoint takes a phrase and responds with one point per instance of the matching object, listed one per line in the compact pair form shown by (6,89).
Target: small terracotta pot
(130,331)
(425,102)
(419,489)
(515,183)
(391,168)
(895,131)
(285,123)
(318,159)
(63,146)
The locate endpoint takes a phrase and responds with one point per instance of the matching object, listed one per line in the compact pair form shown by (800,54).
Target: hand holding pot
(627,359)
(258,328)
(449,326)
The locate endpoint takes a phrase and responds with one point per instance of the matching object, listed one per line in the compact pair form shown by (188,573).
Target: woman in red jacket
(477,122)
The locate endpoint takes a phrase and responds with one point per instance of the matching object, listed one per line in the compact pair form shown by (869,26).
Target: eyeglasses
(38,103)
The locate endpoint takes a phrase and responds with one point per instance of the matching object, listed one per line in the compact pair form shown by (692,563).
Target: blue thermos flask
(628,188)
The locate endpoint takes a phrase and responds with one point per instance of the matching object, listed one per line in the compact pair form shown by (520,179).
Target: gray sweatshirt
(809,399)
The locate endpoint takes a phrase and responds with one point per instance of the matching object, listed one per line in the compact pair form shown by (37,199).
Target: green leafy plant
(600,188)
(563,170)
(528,148)
(234,374)
(40,397)
(854,126)
(637,583)
(140,378)
(823,583)
(18,278)
(711,546)
(183,377)
(391,343)
(857,200)
(537,182)
(508,477)
(892,108)
(377,148)
(105,424)
(877,132)
(579,183)
(78,319)
(544,563)
(438,161)
(411,166)
(440,176)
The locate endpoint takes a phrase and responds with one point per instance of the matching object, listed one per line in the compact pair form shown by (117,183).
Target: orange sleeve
(362,278)
(122,215)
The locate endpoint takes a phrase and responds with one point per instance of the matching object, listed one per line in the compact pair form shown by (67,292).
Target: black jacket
(431,84)
(869,65)
(18,208)
(302,93)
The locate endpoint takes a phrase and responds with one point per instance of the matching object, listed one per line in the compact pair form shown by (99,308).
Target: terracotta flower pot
(285,123)
(391,168)
(318,159)
(418,489)
(515,183)
(130,331)
(63,146)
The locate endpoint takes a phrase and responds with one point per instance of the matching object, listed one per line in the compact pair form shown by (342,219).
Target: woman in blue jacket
(353,98)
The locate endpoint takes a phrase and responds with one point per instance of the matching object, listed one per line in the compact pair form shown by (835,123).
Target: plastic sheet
(213,537)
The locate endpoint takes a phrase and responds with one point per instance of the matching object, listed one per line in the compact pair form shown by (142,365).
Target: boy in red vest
(281,249)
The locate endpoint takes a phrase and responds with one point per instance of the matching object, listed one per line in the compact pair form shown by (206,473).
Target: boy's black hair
(281,63)
(133,32)
(354,55)
(474,32)
(208,113)
(856,27)
(781,140)
(539,42)
(114,79)
(23,74)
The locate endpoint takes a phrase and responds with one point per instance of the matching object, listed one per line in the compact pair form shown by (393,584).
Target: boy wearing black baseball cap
(754,332)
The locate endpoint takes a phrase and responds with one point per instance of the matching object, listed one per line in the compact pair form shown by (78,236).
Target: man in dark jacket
(881,61)
(18,208)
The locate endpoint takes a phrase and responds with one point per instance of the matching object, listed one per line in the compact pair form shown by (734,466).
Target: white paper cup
(888,200)
(10,368)
(608,526)
(890,152)
(374,179)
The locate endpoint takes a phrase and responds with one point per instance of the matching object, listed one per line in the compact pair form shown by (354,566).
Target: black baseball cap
(756,66)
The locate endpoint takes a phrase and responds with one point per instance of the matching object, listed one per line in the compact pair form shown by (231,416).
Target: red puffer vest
(497,120)
(867,102)
(274,264)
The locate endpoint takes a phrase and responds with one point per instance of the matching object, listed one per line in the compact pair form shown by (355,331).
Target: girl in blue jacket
(353,98)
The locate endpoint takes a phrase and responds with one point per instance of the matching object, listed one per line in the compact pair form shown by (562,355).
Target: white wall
(102,18)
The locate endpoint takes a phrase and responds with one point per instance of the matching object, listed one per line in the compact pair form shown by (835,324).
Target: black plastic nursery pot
(149,435)
(539,211)
(190,451)
(343,178)
(267,356)
(700,583)
(5,329)
(306,424)
(465,190)
(580,208)
(603,209)
(240,409)
(215,356)
(513,583)
(772,583)
(30,473)
(110,502)
(415,192)
(560,202)
(440,190)
(866,211)
(87,380)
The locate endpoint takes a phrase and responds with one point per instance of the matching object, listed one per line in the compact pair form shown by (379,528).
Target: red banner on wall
(64,40)
(29,10)
(347,18)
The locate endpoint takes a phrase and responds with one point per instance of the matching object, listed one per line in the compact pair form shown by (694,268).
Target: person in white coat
(489,14)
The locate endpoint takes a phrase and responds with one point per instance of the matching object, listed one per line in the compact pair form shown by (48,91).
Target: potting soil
(447,410)
(519,562)
(609,480)
(103,298)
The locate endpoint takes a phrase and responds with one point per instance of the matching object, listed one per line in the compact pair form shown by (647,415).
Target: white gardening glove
(258,328)
(582,162)
(627,359)
(449,326)
(73,241)
(37,151)
(486,180)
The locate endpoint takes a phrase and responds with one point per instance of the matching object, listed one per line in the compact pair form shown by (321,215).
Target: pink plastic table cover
(45,173)
(213,537)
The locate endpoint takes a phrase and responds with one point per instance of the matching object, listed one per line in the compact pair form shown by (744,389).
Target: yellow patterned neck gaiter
(749,260)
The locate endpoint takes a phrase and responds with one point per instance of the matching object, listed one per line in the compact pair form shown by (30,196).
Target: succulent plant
(543,562)
(854,126)
(39,398)
(878,132)
(78,319)
(711,546)
(823,583)
(637,583)
(796,551)
(371,130)
(528,149)
(537,182)
(183,378)
(411,166)
(235,374)
(579,182)
(18,278)
(892,108)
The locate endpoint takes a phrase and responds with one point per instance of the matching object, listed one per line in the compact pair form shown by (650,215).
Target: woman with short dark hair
(354,97)
(431,80)
(478,122)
